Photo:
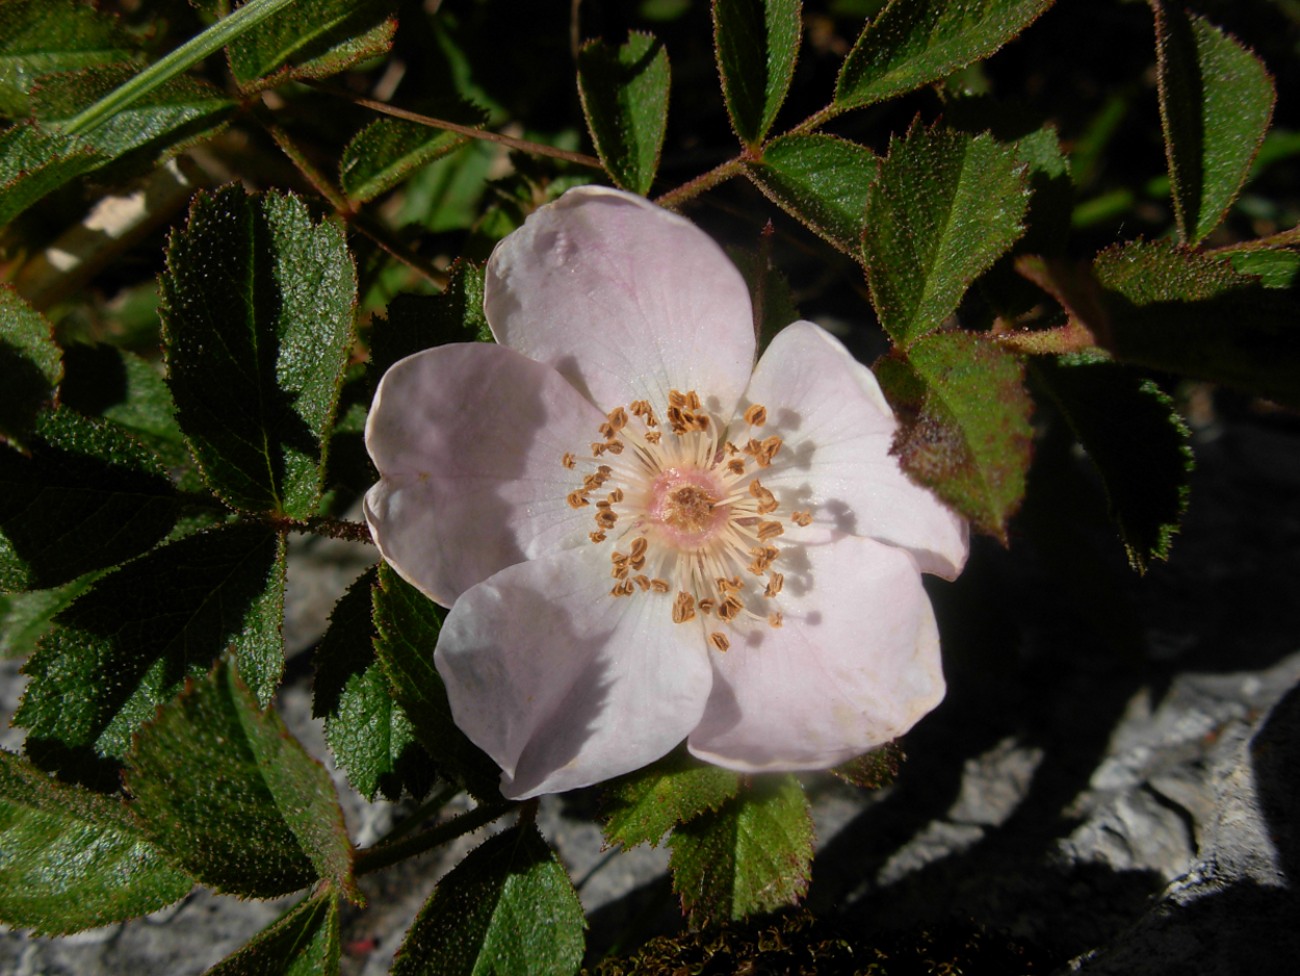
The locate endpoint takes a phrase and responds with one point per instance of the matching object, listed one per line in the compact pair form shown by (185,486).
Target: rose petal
(625,299)
(854,664)
(469,440)
(561,683)
(835,460)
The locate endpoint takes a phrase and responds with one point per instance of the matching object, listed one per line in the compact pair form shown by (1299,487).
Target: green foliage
(304,942)
(1275,269)
(88,496)
(643,806)
(769,291)
(966,433)
(1190,313)
(71,859)
(872,770)
(408,623)
(370,736)
(167,615)
(625,99)
(1135,436)
(914,42)
(752,855)
(386,152)
(31,363)
(26,617)
(943,208)
(41,37)
(1216,99)
(820,180)
(757,44)
(35,161)
(257,315)
(251,812)
(508,908)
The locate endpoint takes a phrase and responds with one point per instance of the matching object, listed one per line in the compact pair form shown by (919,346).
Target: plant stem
(536,148)
(176,62)
(383,855)
(705,181)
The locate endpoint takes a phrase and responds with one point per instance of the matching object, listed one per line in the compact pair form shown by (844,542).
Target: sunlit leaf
(641,807)
(752,855)
(30,362)
(509,908)
(303,942)
(625,98)
(232,797)
(1216,100)
(71,859)
(757,43)
(388,150)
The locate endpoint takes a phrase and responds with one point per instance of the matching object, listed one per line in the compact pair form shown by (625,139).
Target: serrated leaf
(1216,100)
(508,908)
(769,292)
(40,37)
(127,644)
(643,806)
(257,317)
(71,859)
(966,432)
(943,208)
(87,497)
(1190,313)
(30,362)
(311,39)
(370,736)
(821,181)
(417,322)
(753,855)
(872,770)
(1275,268)
(757,44)
(1135,436)
(233,798)
(35,161)
(408,623)
(624,94)
(914,42)
(388,150)
(303,942)
(26,617)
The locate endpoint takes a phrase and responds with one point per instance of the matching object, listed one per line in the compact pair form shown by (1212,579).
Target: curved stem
(383,855)
(705,181)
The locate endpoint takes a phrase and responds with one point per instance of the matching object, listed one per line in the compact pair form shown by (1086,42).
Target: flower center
(685,514)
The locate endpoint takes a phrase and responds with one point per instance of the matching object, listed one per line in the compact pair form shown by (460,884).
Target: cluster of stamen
(684,512)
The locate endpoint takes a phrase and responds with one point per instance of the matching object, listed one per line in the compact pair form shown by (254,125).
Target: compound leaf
(625,99)
(643,806)
(757,44)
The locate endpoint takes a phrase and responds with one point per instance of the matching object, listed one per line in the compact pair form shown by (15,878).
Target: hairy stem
(383,855)
(705,181)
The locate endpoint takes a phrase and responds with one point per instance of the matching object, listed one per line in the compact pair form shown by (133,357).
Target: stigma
(684,514)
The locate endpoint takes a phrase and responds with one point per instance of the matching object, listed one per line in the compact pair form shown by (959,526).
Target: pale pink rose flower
(644,537)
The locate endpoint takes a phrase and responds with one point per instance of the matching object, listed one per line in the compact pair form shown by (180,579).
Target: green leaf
(370,736)
(753,855)
(71,859)
(30,362)
(872,770)
(914,42)
(966,431)
(26,617)
(1216,100)
(943,208)
(1179,310)
(821,181)
(1275,268)
(769,291)
(40,37)
(643,806)
(35,161)
(388,150)
(233,798)
(87,497)
(508,908)
(257,315)
(303,942)
(408,624)
(310,39)
(757,44)
(127,644)
(1135,436)
(417,322)
(625,99)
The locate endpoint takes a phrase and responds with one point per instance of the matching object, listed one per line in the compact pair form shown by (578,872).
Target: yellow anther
(577,499)
(719,640)
(774,584)
(683,608)
(756,415)
(769,530)
(801,518)
(569,460)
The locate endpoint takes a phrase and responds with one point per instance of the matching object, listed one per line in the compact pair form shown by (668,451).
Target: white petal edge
(855,664)
(564,685)
(835,461)
(469,440)
(625,299)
